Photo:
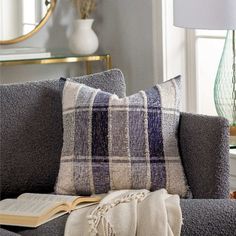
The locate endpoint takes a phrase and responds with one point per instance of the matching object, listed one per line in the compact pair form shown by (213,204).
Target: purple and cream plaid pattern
(127,143)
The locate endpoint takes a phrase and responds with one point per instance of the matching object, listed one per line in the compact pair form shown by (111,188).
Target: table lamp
(215,15)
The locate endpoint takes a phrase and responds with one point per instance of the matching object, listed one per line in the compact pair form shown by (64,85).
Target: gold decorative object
(63,59)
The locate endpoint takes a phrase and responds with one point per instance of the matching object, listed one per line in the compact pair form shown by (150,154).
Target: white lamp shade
(205,14)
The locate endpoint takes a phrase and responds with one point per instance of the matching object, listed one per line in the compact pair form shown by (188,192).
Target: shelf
(57,59)
(62,59)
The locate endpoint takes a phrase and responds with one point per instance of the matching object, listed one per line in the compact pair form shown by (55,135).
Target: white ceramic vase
(83,40)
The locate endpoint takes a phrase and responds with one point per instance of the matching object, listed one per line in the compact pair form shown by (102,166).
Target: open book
(33,209)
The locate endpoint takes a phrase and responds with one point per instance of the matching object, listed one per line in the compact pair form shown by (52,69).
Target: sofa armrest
(208,217)
(204,149)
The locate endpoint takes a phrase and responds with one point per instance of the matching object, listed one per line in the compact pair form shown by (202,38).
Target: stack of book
(23,53)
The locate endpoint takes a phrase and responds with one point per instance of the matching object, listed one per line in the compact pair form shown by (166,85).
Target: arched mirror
(20,19)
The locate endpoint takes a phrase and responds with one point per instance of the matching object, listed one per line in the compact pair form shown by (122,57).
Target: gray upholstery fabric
(31,141)
(55,227)
(4,232)
(211,217)
(31,131)
(204,147)
(200,217)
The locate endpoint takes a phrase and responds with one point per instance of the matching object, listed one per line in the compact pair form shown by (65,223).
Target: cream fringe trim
(91,101)
(99,213)
(147,154)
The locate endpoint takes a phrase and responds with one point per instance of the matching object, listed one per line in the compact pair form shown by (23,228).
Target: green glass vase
(225,83)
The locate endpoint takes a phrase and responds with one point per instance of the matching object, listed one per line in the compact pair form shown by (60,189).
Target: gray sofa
(31,142)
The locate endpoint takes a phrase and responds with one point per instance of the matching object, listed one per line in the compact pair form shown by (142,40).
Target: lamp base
(225,83)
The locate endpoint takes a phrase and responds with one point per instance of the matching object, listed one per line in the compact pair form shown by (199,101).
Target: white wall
(124,29)
(130,30)
(174,47)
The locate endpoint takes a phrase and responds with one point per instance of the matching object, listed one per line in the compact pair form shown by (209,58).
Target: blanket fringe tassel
(98,214)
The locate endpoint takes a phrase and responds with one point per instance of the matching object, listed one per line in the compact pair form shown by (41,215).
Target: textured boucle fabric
(55,227)
(204,147)
(126,143)
(204,217)
(4,232)
(31,131)
(208,217)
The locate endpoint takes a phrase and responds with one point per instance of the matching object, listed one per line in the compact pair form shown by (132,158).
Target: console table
(106,58)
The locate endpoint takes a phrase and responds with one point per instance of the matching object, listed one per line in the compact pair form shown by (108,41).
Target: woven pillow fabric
(113,143)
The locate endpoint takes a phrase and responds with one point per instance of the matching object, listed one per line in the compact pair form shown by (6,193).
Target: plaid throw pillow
(127,143)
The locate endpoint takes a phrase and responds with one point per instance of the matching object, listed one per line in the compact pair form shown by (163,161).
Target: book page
(85,200)
(52,218)
(26,208)
(83,205)
(48,197)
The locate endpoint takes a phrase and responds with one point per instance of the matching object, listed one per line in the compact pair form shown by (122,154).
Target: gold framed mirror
(20,19)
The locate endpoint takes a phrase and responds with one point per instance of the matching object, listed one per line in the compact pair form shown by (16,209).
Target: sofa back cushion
(31,134)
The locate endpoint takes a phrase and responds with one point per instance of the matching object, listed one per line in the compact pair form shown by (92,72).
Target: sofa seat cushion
(4,232)
(54,227)
(31,134)
(201,217)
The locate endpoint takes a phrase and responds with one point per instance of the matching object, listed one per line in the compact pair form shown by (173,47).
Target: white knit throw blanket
(128,213)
